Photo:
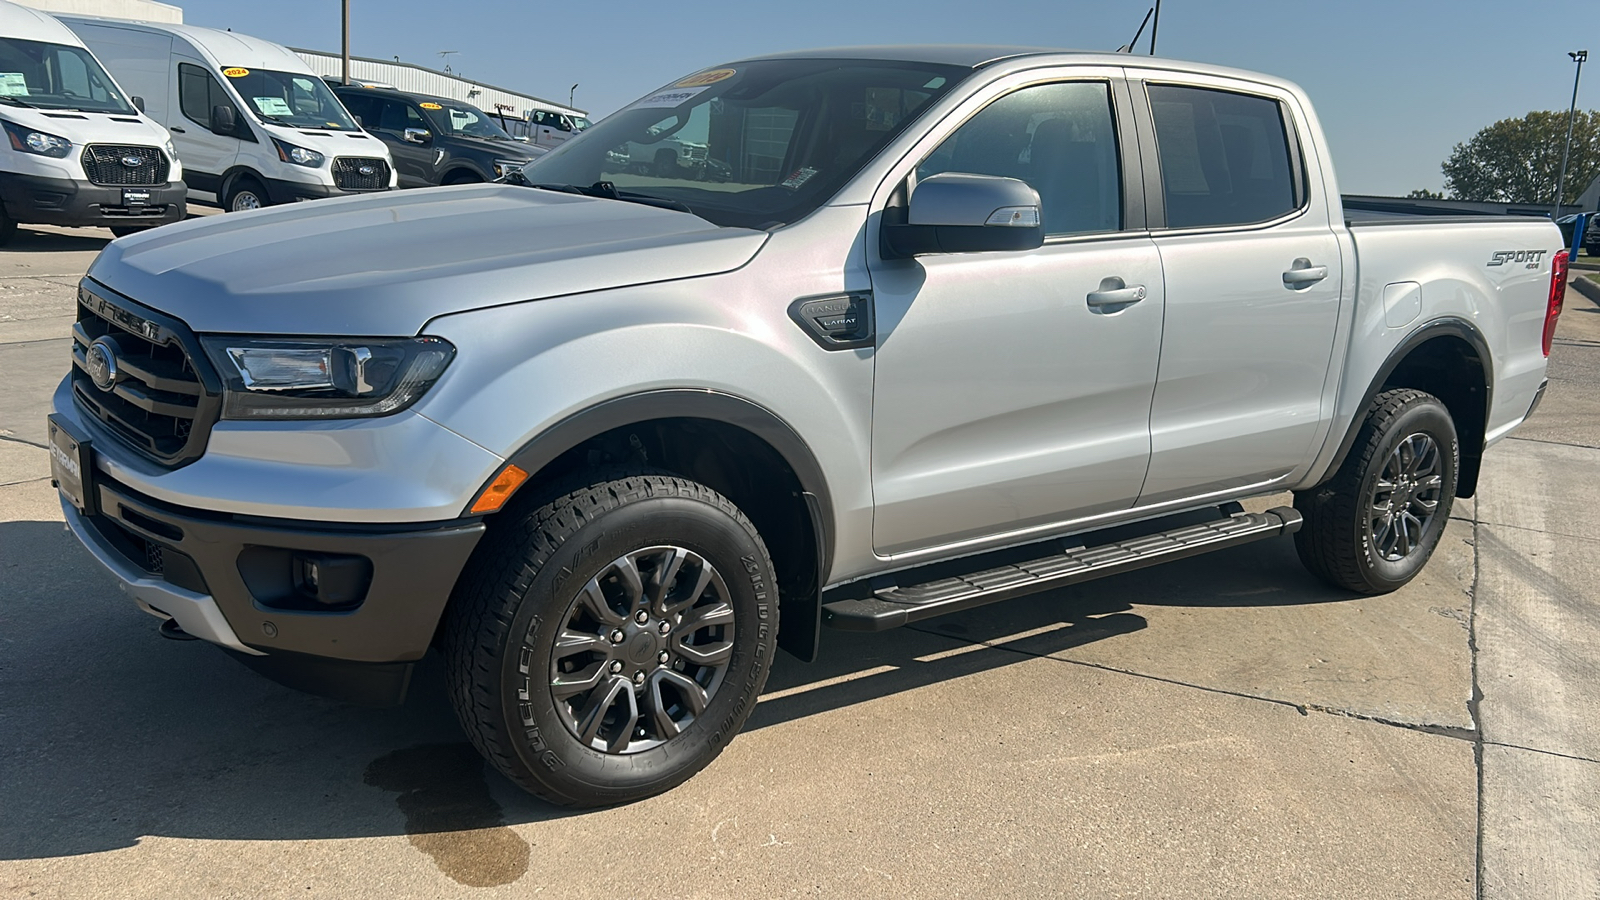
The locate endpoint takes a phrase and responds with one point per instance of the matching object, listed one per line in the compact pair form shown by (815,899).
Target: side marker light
(500,490)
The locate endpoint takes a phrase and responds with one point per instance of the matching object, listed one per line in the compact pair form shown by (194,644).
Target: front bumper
(230,580)
(43,200)
(281,190)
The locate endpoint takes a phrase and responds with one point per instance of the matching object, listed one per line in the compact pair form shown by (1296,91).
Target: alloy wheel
(1406,497)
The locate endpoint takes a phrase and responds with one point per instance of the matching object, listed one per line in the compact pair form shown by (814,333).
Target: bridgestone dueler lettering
(640,593)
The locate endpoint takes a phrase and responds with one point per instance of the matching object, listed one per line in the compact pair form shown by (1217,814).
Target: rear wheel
(606,645)
(1372,527)
(245,194)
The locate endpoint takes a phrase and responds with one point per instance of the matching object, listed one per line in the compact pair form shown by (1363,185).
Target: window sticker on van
(235,72)
(13,84)
(272,106)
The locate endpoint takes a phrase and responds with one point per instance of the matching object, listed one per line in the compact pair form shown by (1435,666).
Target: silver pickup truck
(947,325)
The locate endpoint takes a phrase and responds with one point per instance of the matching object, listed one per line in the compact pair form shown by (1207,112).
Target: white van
(254,125)
(76,151)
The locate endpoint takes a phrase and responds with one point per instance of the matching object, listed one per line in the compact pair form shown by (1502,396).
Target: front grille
(159,402)
(106,164)
(348,176)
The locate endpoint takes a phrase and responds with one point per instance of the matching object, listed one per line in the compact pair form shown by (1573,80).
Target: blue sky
(1397,83)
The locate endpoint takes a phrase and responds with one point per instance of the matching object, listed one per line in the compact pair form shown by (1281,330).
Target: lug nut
(638,678)
(617,636)
(666,628)
(641,617)
(662,657)
(616,666)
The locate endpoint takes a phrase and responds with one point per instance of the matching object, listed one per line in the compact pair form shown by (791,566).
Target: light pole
(569,96)
(1578,57)
(346,42)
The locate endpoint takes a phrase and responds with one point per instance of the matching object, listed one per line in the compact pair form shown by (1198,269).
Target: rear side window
(1224,157)
(1060,139)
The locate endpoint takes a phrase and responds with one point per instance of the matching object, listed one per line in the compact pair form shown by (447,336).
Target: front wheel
(607,645)
(245,194)
(1372,527)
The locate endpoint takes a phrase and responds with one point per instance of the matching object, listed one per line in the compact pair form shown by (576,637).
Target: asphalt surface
(1226,726)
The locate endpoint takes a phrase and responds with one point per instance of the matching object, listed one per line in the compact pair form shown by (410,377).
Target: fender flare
(233,174)
(802,627)
(1448,326)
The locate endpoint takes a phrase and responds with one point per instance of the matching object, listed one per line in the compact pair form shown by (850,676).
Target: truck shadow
(26,240)
(108,733)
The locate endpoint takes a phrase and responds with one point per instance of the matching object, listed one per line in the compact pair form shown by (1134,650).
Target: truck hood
(385,264)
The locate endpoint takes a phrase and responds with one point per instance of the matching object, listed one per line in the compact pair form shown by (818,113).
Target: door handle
(177,129)
(1302,273)
(1114,292)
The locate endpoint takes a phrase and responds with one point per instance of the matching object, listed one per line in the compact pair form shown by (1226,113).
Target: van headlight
(267,378)
(300,156)
(28,141)
(172,150)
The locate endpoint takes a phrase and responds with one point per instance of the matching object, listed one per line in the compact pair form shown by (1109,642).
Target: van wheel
(8,227)
(125,230)
(606,645)
(245,194)
(1372,527)
(462,177)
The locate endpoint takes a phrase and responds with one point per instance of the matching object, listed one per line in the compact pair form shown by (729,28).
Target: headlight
(37,141)
(308,379)
(300,156)
(504,166)
(172,150)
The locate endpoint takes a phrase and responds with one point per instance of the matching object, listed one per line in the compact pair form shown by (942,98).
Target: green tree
(1518,160)
(1425,194)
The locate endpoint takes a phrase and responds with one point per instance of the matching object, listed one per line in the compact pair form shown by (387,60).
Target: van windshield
(755,144)
(295,99)
(56,76)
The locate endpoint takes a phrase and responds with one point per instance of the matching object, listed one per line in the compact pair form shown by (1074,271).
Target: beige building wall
(142,10)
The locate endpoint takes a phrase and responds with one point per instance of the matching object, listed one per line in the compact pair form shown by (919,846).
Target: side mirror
(223,120)
(138,103)
(418,136)
(358,122)
(954,212)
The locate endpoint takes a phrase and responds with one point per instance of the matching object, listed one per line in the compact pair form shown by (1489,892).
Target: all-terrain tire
(545,600)
(1368,529)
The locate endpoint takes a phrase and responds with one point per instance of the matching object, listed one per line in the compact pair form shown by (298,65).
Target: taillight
(1558,292)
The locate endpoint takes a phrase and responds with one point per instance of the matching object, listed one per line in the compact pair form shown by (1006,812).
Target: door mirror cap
(138,103)
(956,212)
(418,136)
(223,120)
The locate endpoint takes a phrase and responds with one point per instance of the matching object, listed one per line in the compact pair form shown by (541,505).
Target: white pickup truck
(950,325)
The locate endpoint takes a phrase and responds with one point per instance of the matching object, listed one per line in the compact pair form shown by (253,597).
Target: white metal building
(421,80)
(142,10)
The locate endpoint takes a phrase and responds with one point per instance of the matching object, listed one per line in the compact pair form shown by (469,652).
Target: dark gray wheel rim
(643,648)
(1406,497)
(245,200)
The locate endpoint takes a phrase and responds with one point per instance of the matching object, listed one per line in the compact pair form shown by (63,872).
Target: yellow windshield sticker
(430,106)
(235,72)
(705,78)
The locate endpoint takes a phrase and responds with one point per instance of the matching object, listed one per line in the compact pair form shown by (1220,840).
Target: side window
(1224,157)
(1060,138)
(198,92)
(414,119)
(362,108)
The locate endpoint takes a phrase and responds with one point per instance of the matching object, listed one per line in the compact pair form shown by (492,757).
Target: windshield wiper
(605,190)
(15,102)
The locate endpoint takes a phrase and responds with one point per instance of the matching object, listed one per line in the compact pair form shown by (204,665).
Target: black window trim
(245,133)
(1123,111)
(1155,187)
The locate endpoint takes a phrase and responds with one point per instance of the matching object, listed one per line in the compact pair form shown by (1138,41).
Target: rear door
(1253,276)
(1006,397)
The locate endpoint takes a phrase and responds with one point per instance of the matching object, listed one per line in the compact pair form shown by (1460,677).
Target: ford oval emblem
(101,362)
(368,170)
(133,162)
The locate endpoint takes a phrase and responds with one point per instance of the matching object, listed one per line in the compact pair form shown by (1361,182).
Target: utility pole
(346,78)
(1153,27)
(569,96)
(1578,57)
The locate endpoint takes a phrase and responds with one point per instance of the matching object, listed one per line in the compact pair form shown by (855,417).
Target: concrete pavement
(1226,726)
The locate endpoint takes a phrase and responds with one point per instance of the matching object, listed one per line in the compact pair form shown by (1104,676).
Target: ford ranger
(949,325)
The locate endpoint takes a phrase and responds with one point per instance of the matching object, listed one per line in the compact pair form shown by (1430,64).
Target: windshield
(463,120)
(289,98)
(755,145)
(56,76)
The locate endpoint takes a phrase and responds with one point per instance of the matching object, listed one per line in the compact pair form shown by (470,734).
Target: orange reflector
(496,494)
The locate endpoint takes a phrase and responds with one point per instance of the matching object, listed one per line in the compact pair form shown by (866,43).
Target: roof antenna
(1154,27)
(1128,47)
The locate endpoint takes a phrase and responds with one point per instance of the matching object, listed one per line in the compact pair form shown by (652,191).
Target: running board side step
(891,607)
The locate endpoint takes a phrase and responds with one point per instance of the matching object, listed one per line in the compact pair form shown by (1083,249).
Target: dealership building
(405,76)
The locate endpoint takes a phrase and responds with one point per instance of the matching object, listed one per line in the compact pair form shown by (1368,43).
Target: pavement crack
(1557,443)
(18,440)
(1475,700)
(1542,751)
(1449,731)
(1560,534)
(25,481)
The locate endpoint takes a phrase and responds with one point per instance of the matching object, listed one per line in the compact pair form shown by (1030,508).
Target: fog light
(332,579)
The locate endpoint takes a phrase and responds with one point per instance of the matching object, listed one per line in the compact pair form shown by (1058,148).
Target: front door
(1253,280)
(206,155)
(1006,398)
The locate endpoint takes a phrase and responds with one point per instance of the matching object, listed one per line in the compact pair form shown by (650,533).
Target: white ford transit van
(75,151)
(254,125)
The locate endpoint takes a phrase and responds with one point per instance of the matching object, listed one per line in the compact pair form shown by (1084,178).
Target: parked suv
(435,140)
